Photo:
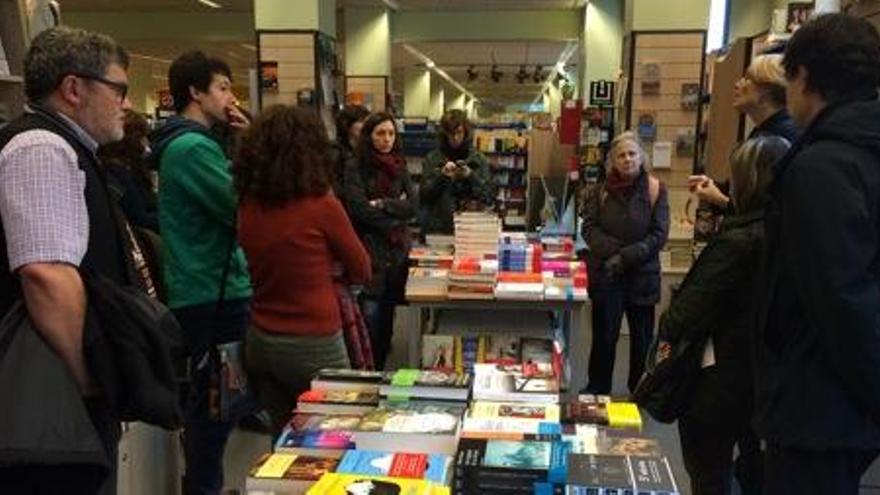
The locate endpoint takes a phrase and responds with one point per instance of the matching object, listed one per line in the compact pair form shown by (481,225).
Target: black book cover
(653,474)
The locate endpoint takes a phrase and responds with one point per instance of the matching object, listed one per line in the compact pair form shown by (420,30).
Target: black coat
(818,341)
(441,197)
(717,299)
(631,227)
(373,225)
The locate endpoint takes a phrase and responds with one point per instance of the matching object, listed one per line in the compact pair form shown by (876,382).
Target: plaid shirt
(42,201)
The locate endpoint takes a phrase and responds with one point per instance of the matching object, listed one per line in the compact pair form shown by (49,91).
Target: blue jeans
(204,438)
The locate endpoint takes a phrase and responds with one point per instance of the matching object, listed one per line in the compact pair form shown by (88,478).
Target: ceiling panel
(154,6)
(471,4)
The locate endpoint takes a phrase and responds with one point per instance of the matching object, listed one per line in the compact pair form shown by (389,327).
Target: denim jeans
(204,438)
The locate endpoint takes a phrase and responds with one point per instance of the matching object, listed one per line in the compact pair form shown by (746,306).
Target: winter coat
(441,196)
(373,225)
(818,340)
(717,299)
(633,228)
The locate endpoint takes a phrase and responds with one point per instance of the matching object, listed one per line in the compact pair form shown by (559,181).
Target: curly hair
(841,54)
(129,150)
(347,117)
(284,155)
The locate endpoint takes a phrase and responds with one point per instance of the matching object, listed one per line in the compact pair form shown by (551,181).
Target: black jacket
(818,342)
(440,197)
(779,124)
(717,300)
(373,225)
(631,227)
(340,154)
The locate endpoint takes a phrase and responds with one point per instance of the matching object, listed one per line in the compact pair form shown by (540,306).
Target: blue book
(429,467)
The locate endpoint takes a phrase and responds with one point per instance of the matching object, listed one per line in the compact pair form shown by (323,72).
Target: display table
(504,313)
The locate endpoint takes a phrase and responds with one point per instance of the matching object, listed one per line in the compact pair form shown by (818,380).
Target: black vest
(107,252)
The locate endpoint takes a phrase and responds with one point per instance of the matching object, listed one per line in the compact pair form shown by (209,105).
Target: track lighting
(522,75)
(539,75)
(472,74)
(495,74)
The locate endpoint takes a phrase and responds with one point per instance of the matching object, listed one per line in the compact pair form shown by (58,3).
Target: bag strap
(230,250)
(653,190)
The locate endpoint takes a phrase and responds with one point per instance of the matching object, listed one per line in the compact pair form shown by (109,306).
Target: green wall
(367,42)
(603,40)
(657,14)
(296,14)
(749,17)
(486,25)
(417,93)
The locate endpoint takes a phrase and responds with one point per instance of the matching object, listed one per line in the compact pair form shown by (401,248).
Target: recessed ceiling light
(209,3)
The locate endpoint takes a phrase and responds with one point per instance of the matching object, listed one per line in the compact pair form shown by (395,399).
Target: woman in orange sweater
(293,231)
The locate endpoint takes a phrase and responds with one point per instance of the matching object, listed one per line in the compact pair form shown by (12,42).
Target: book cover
(339,397)
(653,475)
(359,484)
(412,418)
(502,349)
(629,446)
(350,375)
(545,412)
(536,350)
(438,352)
(520,455)
(293,467)
(600,472)
(290,439)
(585,413)
(624,415)
(431,467)
(510,429)
(324,422)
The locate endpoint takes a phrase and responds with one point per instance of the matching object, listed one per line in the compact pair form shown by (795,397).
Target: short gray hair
(627,137)
(62,51)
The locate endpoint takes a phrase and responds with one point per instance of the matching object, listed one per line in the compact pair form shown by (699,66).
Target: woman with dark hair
(293,230)
(716,304)
(129,177)
(381,201)
(349,122)
(455,176)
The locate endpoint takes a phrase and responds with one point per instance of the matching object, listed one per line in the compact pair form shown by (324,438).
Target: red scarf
(619,184)
(390,166)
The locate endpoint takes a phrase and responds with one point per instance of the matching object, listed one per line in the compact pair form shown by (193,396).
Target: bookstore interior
(485,388)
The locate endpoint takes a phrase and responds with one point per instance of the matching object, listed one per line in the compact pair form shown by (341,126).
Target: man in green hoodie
(205,271)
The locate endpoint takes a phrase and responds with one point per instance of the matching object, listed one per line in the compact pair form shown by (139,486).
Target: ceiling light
(430,64)
(209,3)
(522,75)
(391,4)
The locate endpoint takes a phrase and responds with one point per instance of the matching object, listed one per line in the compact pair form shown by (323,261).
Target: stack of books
(427,284)
(462,352)
(519,286)
(516,383)
(476,234)
(472,278)
(426,385)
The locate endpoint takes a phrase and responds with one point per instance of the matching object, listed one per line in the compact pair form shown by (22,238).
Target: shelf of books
(507,150)
(437,432)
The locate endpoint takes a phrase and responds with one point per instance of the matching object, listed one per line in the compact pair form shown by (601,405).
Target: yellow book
(347,484)
(514,410)
(624,415)
(440,490)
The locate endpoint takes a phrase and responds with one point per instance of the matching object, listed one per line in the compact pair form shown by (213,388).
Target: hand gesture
(706,190)
(449,169)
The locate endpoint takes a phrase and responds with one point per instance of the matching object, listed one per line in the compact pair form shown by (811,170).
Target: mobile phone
(460,163)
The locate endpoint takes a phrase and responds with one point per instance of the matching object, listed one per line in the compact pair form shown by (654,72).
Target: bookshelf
(14,38)
(506,148)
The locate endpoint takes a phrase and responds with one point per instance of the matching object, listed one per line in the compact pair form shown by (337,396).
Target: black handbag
(671,375)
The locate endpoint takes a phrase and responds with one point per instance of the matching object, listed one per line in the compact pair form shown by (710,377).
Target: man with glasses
(57,219)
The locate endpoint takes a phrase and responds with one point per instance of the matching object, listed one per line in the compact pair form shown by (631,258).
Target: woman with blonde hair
(760,95)
(626,223)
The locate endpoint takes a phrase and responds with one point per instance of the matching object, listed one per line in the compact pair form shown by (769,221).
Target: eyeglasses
(121,89)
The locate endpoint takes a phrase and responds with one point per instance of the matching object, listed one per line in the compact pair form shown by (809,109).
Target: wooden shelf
(11,80)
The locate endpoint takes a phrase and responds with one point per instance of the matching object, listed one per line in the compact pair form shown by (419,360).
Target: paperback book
(288,473)
(430,467)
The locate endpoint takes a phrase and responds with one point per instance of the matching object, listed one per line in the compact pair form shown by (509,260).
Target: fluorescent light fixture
(432,66)
(148,57)
(248,46)
(559,68)
(209,3)
(391,4)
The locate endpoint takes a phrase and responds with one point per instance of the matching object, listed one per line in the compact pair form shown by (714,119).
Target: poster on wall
(269,76)
(685,143)
(690,96)
(647,128)
(798,14)
(661,155)
(651,78)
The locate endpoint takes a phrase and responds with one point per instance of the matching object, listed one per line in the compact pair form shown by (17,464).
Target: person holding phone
(455,176)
